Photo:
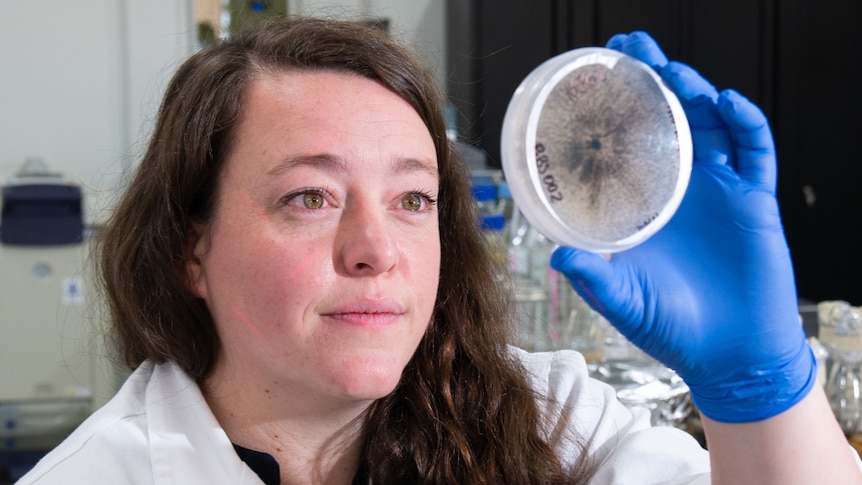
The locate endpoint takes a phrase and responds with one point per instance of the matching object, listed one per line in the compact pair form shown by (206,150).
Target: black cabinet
(817,125)
(799,60)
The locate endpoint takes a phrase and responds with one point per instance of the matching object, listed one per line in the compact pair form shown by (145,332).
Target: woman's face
(320,265)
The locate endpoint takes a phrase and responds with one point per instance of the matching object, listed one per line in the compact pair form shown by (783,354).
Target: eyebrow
(338,164)
(323,161)
(408,165)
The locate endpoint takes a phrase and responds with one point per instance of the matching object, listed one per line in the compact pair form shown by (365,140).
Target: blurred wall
(419,24)
(81,81)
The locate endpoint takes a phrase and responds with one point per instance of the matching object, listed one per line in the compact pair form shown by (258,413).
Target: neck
(313,442)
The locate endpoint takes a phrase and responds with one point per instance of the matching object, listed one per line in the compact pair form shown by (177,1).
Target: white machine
(54,370)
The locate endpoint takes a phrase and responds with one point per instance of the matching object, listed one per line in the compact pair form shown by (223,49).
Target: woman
(296,274)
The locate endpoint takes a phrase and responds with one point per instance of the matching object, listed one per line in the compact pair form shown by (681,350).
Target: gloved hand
(712,294)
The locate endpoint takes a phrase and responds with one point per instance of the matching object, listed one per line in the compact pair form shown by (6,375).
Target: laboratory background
(80,86)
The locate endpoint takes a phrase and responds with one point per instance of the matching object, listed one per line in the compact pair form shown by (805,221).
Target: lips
(366,313)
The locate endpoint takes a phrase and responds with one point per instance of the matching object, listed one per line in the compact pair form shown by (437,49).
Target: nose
(366,243)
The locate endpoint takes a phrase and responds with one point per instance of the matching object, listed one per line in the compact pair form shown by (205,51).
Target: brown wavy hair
(463,411)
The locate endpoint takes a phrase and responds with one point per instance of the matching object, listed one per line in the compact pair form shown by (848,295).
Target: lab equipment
(712,295)
(597,151)
(643,382)
(40,208)
(840,331)
(55,371)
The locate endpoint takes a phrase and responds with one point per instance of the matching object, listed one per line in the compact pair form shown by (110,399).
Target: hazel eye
(312,200)
(412,202)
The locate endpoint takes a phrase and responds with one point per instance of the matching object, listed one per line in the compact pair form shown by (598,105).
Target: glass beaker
(532,329)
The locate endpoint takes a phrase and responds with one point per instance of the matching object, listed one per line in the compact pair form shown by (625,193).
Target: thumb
(590,275)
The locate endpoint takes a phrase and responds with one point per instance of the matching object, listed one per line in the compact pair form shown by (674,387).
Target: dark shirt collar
(265,466)
(261,463)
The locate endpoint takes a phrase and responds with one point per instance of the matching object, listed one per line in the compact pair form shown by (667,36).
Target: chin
(371,379)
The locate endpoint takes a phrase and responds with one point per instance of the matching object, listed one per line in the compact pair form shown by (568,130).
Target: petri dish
(596,150)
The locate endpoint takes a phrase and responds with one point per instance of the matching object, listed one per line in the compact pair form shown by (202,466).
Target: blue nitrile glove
(711,295)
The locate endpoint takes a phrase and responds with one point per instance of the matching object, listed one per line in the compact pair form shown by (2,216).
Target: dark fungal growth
(612,146)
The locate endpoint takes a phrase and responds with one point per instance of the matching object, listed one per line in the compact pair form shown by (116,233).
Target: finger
(641,46)
(711,139)
(616,42)
(607,287)
(588,273)
(754,148)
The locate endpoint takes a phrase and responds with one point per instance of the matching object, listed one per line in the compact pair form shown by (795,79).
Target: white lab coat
(158,429)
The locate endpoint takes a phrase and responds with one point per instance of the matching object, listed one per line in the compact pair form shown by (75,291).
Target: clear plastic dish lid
(596,150)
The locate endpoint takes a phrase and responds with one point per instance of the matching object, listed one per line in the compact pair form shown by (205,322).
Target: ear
(198,243)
